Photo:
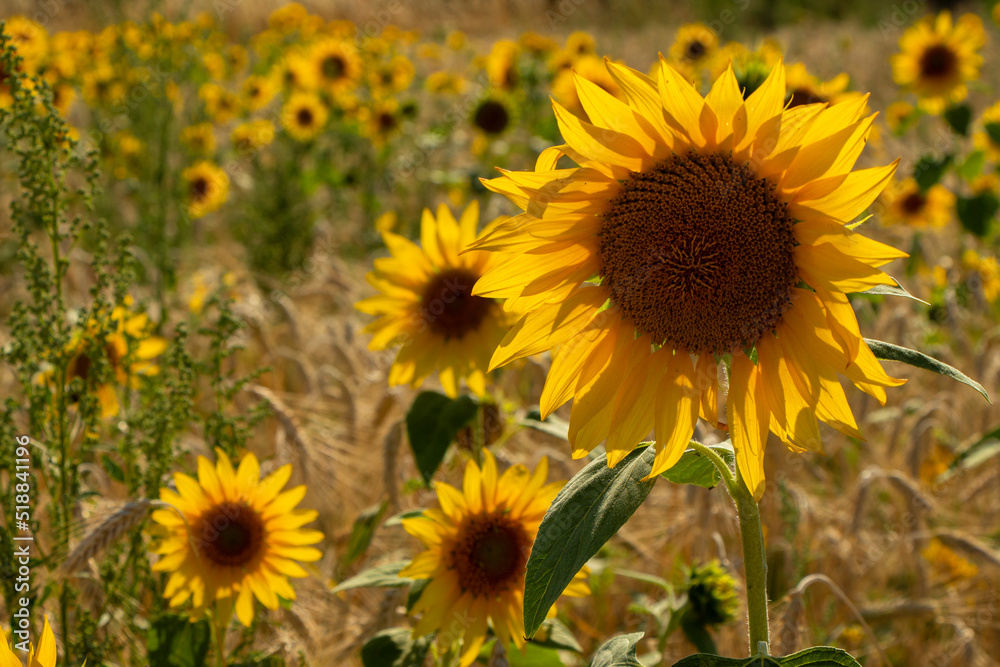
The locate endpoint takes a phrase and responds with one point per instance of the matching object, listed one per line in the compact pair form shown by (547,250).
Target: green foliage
(383,576)
(890,352)
(588,511)
(958,118)
(976,213)
(173,641)
(394,647)
(818,656)
(432,423)
(694,468)
(618,652)
(929,171)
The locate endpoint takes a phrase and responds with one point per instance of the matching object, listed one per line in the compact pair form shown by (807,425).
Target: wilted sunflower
(477,549)
(239,537)
(207,188)
(427,304)
(938,58)
(42,655)
(908,205)
(716,230)
(304,116)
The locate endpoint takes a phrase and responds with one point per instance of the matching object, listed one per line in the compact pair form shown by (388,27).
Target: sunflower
(501,65)
(938,57)
(337,65)
(199,138)
(696,233)
(988,138)
(258,91)
(220,104)
(492,116)
(806,88)
(304,116)
(30,40)
(908,205)
(232,536)
(207,188)
(591,68)
(381,121)
(426,303)
(43,655)
(251,136)
(477,549)
(694,47)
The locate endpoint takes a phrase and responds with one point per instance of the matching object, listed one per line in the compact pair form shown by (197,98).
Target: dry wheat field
(533,333)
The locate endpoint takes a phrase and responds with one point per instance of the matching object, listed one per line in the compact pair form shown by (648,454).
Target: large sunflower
(696,235)
(232,536)
(42,655)
(426,304)
(938,58)
(477,549)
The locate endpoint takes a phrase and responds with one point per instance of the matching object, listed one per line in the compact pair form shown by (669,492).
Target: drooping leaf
(380,576)
(552,425)
(395,647)
(893,290)
(890,352)
(554,634)
(817,656)
(694,468)
(587,513)
(432,423)
(363,531)
(174,641)
(618,652)
(976,213)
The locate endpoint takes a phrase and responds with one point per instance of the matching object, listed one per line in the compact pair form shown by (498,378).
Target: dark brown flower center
(386,121)
(229,534)
(304,117)
(697,253)
(491,117)
(695,49)
(802,96)
(448,306)
(913,203)
(333,67)
(199,188)
(490,553)
(938,62)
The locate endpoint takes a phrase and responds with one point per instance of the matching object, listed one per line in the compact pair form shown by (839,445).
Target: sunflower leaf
(618,652)
(551,425)
(959,117)
(363,531)
(993,131)
(976,213)
(890,290)
(587,513)
(693,468)
(395,647)
(173,641)
(890,352)
(432,423)
(381,576)
(817,656)
(929,171)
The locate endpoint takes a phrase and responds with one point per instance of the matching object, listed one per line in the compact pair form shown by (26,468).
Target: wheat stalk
(107,532)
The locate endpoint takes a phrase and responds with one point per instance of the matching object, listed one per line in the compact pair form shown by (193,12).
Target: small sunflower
(252,136)
(220,104)
(258,91)
(232,536)
(988,137)
(381,121)
(501,65)
(304,116)
(42,655)
(296,72)
(694,47)
(806,88)
(477,549)
(938,58)
(199,139)
(492,116)
(426,303)
(908,205)
(30,40)
(336,64)
(681,246)
(207,188)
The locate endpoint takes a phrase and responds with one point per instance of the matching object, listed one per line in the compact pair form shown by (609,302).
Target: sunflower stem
(754,555)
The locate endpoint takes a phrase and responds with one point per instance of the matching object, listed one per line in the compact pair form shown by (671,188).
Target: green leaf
(645,577)
(556,635)
(972,166)
(697,634)
(416,590)
(535,655)
(890,290)
(113,469)
(587,513)
(976,213)
(929,171)
(431,425)
(174,641)
(552,425)
(993,132)
(618,652)
(397,519)
(382,576)
(890,352)
(394,647)
(817,656)
(693,468)
(959,117)
(363,531)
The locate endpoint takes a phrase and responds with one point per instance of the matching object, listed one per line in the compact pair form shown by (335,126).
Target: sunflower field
(543,333)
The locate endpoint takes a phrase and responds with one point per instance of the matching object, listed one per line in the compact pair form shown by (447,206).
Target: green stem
(754,555)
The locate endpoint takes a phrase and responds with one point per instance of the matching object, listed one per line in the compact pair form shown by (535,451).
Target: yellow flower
(907,205)
(501,65)
(258,91)
(580,43)
(220,104)
(30,40)
(694,46)
(200,138)
(948,562)
(589,67)
(492,116)
(381,121)
(337,66)
(938,58)
(393,76)
(805,88)
(455,40)
(477,549)
(207,188)
(988,138)
(897,115)
(232,536)
(701,218)
(987,273)
(445,83)
(252,136)
(296,72)
(426,304)
(42,655)
(304,116)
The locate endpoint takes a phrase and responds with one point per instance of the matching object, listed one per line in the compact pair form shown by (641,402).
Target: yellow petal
(748,422)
